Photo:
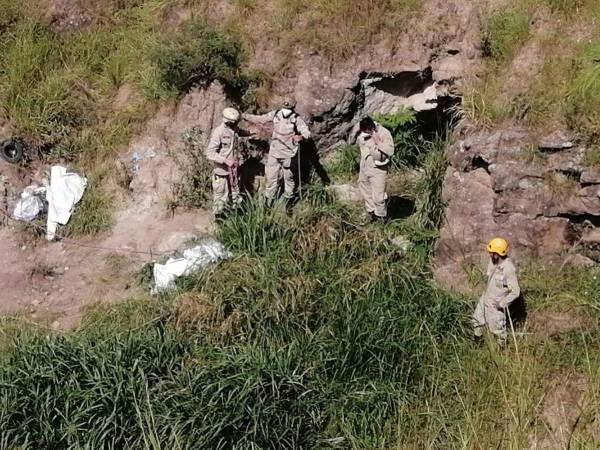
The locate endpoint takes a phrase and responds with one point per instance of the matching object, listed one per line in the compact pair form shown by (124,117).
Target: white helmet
(231,115)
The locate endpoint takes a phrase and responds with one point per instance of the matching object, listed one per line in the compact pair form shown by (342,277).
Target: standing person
(376,149)
(502,289)
(223,151)
(288,130)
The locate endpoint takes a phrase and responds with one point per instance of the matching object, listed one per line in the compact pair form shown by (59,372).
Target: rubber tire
(12,151)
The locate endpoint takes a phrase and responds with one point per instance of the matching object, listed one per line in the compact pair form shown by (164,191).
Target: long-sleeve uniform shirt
(284,129)
(222,146)
(502,289)
(376,149)
(503,286)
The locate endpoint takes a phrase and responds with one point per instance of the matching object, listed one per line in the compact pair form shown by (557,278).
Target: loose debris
(208,252)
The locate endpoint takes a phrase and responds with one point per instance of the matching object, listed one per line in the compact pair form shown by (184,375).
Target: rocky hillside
(318,332)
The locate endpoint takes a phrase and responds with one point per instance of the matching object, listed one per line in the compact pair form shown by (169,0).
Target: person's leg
(236,197)
(378,180)
(271,178)
(478,319)
(496,322)
(365,189)
(220,194)
(288,179)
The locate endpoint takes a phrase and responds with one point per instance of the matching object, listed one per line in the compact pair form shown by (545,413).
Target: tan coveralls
(282,149)
(502,289)
(222,146)
(375,149)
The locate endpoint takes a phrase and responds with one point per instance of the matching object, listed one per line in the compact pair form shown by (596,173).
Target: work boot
(378,219)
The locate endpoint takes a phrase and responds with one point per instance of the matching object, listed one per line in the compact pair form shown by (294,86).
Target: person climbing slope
(289,129)
(222,150)
(502,289)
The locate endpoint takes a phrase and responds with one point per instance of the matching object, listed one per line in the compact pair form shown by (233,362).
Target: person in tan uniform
(376,149)
(502,289)
(222,150)
(288,130)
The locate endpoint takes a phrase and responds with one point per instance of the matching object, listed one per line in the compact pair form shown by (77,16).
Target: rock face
(423,72)
(535,192)
(157,172)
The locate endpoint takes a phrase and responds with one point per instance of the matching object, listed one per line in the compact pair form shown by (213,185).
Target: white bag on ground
(64,192)
(194,259)
(29,206)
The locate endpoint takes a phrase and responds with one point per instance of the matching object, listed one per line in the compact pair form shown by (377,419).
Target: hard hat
(499,246)
(231,115)
(289,103)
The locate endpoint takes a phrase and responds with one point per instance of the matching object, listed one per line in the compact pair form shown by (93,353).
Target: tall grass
(326,338)
(337,29)
(318,332)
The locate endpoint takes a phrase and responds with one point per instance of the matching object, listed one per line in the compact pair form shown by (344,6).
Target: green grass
(504,32)
(314,334)
(92,215)
(317,334)
(562,88)
(335,29)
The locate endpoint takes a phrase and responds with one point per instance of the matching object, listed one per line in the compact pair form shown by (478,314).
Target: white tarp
(63,193)
(194,259)
(30,204)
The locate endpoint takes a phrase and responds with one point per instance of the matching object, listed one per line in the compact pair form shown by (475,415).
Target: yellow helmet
(499,246)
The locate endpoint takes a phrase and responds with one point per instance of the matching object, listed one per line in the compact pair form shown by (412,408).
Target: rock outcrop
(536,192)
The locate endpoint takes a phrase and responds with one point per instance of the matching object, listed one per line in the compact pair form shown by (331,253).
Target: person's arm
(384,141)
(302,128)
(213,147)
(512,286)
(259,119)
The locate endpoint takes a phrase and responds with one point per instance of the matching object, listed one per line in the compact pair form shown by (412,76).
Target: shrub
(197,55)
(194,189)
(504,32)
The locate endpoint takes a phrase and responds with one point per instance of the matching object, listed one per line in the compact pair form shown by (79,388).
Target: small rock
(591,236)
(67,269)
(36,302)
(556,141)
(56,325)
(579,261)
(24,248)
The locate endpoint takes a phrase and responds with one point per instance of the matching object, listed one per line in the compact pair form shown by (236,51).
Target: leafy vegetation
(198,54)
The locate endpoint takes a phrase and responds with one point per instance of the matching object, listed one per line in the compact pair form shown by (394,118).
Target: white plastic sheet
(63,193)
(194,259)
(30,205)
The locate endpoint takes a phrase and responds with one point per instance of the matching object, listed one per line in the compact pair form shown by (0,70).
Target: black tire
(12,151)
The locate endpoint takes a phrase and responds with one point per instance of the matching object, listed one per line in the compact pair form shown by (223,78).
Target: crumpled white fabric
(208,252)
(29,206)
(63,193)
